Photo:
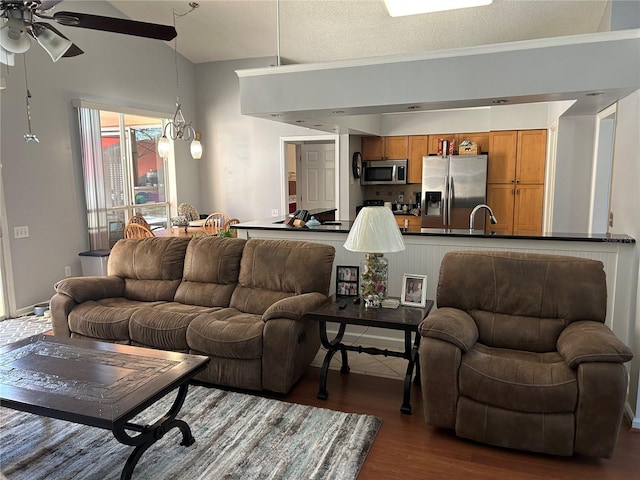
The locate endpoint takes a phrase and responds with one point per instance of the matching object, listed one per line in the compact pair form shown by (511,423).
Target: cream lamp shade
(375,231)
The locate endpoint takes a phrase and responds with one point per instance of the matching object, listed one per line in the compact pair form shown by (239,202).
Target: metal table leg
(332,347)
(150,434)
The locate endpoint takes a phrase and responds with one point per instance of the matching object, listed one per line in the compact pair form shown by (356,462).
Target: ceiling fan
(20,20)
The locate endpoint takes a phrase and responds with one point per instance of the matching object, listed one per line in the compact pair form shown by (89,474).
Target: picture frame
(347,281)
(414,290)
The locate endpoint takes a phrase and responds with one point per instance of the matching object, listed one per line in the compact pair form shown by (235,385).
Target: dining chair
(135,230)
(215,221)
(140,220)
(227,226)
(189,211)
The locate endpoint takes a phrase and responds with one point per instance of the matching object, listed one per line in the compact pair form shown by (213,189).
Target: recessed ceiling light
(401,8)
(275,114)
(337,112)
(299,121)
(500,101)
(318,125)
(594,94)
(413,107)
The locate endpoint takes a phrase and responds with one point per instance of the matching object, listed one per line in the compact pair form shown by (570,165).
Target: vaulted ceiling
(327,30)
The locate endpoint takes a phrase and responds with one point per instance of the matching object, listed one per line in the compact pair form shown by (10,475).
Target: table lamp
(374,232)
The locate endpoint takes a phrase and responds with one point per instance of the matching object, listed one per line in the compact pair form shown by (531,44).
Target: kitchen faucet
(492,218)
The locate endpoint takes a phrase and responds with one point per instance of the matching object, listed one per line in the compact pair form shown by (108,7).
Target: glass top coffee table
(98,384)
(344,311)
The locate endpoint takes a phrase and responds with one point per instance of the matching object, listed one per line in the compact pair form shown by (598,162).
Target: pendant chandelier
(178,128)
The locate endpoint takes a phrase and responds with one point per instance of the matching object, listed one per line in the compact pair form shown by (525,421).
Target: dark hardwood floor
(407,448)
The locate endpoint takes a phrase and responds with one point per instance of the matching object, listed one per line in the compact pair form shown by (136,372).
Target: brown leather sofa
(239,302)
(517,354)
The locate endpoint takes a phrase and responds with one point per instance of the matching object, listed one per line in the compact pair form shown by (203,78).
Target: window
(123,173)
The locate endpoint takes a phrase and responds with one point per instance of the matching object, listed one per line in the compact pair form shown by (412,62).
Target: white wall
(625,205)
(43,186)
(240,169)
(573,174)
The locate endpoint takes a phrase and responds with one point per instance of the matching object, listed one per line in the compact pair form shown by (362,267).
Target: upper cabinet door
(372,148)
(502,156)
(532,156)
(417,150)
(396,148)
(434,140)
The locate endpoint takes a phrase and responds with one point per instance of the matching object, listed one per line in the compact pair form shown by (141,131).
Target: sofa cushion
(211,269)
(518,380)
(151,267)
(160,328)
(95,320)
(227,333)
(271,270)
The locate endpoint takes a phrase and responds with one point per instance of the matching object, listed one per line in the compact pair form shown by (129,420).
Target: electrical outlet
(275,212)
(400,198)
(21,232)
(67,271)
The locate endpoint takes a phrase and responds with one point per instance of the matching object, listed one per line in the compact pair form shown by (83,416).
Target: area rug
(238,436)
(14,329)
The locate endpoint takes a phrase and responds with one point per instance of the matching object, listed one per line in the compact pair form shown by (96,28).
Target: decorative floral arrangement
(374,275)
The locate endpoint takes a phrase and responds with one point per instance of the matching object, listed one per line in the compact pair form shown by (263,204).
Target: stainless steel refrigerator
(451,186)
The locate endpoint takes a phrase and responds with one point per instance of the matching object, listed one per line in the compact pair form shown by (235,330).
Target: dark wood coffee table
(344,311)
(98,384)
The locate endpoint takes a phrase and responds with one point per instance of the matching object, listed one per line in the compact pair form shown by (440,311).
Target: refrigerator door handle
(445,206)
(449,196)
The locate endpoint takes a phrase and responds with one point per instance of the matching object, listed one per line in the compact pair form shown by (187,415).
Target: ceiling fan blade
(116,25)
(73,51)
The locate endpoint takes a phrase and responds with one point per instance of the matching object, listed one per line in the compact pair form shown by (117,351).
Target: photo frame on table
(414,290)
(347,281)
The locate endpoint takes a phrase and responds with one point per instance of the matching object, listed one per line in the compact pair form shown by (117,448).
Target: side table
(343,311)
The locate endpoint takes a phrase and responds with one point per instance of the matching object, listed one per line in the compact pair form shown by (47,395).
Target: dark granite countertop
(343,226)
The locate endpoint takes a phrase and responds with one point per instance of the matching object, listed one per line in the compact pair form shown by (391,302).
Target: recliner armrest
(589,341)
(294,307)
(83,289)
(451,325)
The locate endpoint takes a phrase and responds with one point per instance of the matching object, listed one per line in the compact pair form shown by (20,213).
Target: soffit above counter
(352,96)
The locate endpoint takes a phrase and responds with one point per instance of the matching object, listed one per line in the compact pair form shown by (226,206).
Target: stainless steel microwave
(384,172)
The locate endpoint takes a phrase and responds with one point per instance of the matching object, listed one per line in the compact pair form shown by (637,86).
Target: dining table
(184,232)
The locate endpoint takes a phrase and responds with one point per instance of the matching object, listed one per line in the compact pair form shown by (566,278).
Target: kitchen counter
(343,226)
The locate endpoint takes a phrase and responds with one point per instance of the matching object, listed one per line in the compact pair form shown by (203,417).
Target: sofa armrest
(294,307)
(451,325)
(83,289)
(589,341)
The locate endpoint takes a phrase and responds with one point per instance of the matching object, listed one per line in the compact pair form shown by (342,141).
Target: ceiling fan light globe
(13,38)
(55,45)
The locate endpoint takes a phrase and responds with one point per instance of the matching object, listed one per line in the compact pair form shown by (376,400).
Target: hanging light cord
(28,137)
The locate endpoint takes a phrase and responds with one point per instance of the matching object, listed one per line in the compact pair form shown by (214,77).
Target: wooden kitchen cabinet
(396,148)
(517,156)
(372,148)
(412,221)
(417,150)
(515,180)
(385,148)
(527,214)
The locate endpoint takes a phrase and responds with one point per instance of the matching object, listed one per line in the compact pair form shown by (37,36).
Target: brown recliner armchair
(517,354)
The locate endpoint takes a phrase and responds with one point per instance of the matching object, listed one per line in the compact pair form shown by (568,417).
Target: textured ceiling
(327,30)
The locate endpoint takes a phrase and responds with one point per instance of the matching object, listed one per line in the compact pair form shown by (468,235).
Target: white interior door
(602,170)
(316,176)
